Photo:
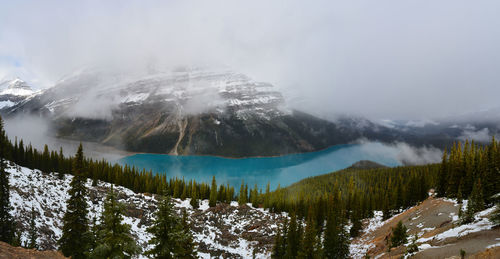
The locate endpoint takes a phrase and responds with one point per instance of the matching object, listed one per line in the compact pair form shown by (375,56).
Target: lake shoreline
(243,157)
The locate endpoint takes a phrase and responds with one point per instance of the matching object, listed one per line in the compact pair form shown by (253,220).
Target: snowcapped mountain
(13,92)
(186,111)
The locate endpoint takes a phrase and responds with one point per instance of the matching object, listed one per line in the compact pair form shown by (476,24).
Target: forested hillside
(332,203)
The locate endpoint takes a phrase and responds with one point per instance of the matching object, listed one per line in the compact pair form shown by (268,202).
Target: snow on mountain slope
(13,92)
(15,87)
(190,91)
(228,230)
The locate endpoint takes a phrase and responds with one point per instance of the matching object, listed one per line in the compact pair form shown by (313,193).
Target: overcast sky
(380,59)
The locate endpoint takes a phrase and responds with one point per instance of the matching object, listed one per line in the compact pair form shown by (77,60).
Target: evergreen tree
(33,235)
(75,240)
(279,245)
(242,198)
(195,203)
(413,247)
(399,235)
(115,240)
(168,233)
(309,244)
(476,201)
(213,193)
(443,176)
(293,237)
(187,248)
(7,229)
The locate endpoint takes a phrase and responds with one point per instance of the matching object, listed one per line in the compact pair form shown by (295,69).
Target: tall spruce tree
(213,193)
(194,197)
(187,249)
(114,238)
(7,229)
(242,198)
(293,237)
(309,244)
(170,237)
(75,240)
(336,240)
(279,246)
(33,232)
(442,184)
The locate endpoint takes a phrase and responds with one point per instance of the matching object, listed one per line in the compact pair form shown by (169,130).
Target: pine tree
(195,203)
(33,235)
(115,240)
(278,248)
(7,229)
(443,176)
(309,244)
(187,248)
(213,193)
(476,201)
(293,237)
(167,231)
(75,240)
(242,198)
(399,235)
(413,247)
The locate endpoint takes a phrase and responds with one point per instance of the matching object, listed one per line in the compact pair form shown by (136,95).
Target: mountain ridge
(186,112)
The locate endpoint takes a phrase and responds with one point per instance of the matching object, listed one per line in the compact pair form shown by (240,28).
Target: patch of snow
(204,205)
(135,98)
(481,223)
(4,104)
(494,245)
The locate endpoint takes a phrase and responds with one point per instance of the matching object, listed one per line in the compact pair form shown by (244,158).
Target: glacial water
(283,170)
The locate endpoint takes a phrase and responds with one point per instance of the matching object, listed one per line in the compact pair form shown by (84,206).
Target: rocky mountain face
(187,112)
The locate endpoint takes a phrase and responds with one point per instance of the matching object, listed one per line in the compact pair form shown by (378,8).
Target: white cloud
(396,59)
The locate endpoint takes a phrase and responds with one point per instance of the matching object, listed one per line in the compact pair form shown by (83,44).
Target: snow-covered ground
(226,230)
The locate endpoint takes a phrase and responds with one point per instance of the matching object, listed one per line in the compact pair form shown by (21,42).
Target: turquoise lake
(283,170)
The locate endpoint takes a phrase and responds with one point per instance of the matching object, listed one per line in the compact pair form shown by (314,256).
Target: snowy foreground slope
(230,231)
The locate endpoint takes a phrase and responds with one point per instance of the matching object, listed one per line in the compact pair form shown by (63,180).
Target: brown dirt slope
(428,219)
(9,252)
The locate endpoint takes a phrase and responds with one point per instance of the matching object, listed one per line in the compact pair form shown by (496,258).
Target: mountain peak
(16,87)
(18,83)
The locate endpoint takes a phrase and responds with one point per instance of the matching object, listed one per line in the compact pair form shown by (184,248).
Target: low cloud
(482,135)
(404,153)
